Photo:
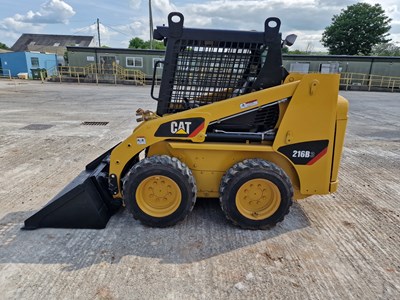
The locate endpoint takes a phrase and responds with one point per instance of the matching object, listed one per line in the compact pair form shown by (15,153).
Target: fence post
(370,83)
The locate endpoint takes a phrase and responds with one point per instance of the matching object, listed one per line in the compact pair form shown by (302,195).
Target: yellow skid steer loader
(231,123)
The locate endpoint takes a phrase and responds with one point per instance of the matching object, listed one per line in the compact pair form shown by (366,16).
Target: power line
(83,29)
(128,35)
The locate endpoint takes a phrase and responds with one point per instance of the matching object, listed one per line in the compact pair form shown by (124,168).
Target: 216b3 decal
(306,153)
(302,153)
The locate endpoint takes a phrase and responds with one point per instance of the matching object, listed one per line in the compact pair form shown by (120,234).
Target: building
(15,63)
(369,65)
(144,60)
(50,43)
(134,59)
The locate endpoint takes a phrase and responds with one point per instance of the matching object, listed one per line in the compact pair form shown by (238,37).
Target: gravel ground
(340,246)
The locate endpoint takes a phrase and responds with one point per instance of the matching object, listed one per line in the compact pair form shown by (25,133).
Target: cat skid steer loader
(231,123)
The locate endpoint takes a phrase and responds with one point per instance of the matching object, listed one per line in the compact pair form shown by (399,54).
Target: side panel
(341,123)
(210,161)
(310,120)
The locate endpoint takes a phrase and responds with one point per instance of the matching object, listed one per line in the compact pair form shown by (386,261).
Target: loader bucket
(84,203)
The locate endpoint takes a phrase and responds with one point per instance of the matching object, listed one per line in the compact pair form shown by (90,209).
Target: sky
(122,20)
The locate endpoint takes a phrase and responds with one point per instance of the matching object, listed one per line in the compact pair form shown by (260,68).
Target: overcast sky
(122,20)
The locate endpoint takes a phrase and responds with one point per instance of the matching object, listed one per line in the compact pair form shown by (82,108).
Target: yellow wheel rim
(158,196)
(258,199)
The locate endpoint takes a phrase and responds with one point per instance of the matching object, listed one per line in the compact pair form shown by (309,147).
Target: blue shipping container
(24,62)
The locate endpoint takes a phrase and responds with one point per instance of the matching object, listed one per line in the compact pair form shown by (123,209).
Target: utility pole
(151,25)
(98,30)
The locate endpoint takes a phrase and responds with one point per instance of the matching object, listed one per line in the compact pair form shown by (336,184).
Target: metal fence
(117,73)
(93,73)
(5,73)
(370,82)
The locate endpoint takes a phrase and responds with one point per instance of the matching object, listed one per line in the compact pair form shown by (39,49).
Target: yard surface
(340,246)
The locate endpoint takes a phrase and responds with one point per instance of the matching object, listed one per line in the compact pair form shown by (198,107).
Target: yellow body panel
(341,123)
(309,115)
(209,161)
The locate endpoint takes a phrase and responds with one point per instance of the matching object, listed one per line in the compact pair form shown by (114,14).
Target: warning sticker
(248,104)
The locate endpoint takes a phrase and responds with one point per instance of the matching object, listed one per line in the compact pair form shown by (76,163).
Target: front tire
(159,191)
(255,194)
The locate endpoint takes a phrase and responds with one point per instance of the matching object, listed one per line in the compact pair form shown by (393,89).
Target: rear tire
(159,191)
(255,194)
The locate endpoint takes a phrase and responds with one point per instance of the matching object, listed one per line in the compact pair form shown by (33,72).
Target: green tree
(357,29)
(4,46)
(297,51)
(138,43)
(388,49)
(158,45)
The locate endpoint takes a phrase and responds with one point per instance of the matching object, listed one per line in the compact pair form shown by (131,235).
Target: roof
(27,41)
(340,57)
(115,50)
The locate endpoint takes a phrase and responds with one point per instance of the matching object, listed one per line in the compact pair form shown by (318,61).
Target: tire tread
(253,164)
(164,160)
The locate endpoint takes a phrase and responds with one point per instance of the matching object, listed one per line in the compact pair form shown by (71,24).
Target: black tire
(251,170)
(177,175)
